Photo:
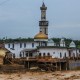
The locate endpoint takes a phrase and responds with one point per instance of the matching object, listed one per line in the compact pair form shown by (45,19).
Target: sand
(64,75)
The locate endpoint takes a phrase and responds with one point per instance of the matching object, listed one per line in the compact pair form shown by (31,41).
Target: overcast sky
(19,18)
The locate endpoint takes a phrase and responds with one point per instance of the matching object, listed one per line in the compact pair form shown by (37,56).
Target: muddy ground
(64,75)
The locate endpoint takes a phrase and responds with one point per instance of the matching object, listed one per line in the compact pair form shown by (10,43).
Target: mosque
(43,46)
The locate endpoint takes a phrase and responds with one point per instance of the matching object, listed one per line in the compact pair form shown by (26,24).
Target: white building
(51,43)
(72,44)
(62,43)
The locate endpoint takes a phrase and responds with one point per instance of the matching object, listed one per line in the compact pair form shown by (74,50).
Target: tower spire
(43,4)
(43,1)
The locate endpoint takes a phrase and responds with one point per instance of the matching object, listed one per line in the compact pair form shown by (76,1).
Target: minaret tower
(43,23)
(42,36)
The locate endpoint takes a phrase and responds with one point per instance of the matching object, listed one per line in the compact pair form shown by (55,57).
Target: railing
(28,58)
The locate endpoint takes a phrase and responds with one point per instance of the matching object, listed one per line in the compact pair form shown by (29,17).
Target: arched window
(14,56)
(77,55)
(27,54)
(8,45)
(20,55)
(65,55)
(13,46)
(60,55)
(20,45)
(48,54)
(32,44)
(24,45)
(69,53)
(73,54)
(53,52)
(39,54)
(43,54)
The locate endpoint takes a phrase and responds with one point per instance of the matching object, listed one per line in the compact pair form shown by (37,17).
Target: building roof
(72,44)
(41,35)
(58,47)
(53,47)
(28,50)
(50,41)
(43,7)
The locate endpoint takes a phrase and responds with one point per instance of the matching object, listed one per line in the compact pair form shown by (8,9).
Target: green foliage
(16,40)
(56,40)
(77,42)
(67,41)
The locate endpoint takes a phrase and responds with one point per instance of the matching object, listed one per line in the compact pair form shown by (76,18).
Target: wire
(4,2)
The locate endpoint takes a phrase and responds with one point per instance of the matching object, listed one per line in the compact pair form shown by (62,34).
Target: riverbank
(64,75)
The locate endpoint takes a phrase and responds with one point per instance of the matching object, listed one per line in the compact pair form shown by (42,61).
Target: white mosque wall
(54,52)
(75,52)
(72,46)
(17,49)
(50,44)
(62,44)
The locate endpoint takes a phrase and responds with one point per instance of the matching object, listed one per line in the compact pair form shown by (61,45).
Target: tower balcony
(43,8)
(43,23)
